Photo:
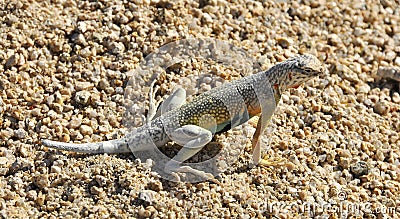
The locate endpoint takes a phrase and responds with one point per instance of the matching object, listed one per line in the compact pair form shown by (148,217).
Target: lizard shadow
(386,83)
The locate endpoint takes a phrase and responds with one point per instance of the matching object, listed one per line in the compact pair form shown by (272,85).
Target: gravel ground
(64,68)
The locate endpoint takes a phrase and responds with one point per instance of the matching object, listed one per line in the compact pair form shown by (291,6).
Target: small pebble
(207,18)
(381,108)
(82,97)
(55,169)
(360,168)
(86,130)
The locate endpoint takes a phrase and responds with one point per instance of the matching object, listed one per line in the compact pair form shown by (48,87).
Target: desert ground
(65,67)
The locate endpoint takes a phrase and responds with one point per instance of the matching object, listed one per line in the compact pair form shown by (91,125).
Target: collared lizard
(193,124)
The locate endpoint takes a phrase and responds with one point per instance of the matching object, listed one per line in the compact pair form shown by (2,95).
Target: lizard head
(298,70)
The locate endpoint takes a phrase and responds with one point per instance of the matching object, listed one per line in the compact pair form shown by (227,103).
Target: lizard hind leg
(175,100)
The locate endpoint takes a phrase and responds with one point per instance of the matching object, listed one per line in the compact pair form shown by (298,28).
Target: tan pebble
(96,190)
(118,83)
(206,18)
(59,163)
(110,90)
(104,83)
(17,113)
(205,87)
(86,130)
(82,97)
(103,129)
(285,42)
(316,108)
(51,206)
(383,166)
(155,185)
(46,121)
(300,134)
(291,111)
(23,150)
(379,155)
(31,195)
(307,131)
(363,89)
(343,152)
(57,107)
(291,190)
(82,26)
(42,64)
(344,162)
(144,213)
(283,145)
(397,60)
(79,39)
(381,108)
(113,120)
(123,19)
(86,52)
(303,195)
(36,112)
(390,56)
(260,37)
(20,133)
(75,123)
(323,137)
(396,97)
(116,48)
(83,85)
(334,39)
(42,181)
(55,169)
(285,98)
(3,160)
(147,196)
(65,138)
(376,184)
(40,199)
(291,166)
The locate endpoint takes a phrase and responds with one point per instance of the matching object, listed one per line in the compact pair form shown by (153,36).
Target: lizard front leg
(262,124)
(193,138)
(256,145)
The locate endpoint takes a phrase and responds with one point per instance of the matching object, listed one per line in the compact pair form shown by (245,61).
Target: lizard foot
(267,162)
(175,171)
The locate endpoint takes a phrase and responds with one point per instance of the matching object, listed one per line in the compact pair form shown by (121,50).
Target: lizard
(193,124)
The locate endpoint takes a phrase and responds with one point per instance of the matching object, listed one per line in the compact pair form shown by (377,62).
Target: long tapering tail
(112,147)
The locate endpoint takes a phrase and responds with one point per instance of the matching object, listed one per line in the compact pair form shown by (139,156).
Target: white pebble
(86,130)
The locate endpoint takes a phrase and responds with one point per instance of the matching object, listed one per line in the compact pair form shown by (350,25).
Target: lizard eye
(308,70)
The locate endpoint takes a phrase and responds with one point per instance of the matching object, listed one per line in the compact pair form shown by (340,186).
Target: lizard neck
(276,78)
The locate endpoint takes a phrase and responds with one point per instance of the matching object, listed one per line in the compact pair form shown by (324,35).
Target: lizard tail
(110,147)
